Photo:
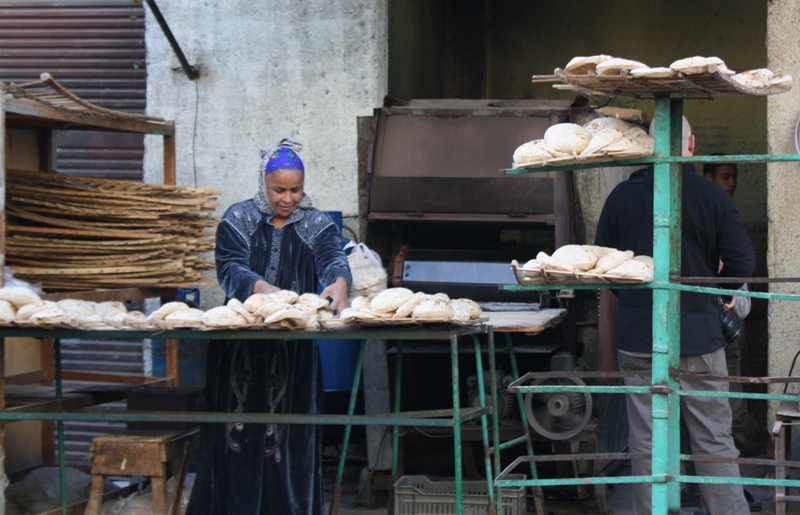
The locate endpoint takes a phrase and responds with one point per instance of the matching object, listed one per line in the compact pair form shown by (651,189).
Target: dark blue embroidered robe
(256,468)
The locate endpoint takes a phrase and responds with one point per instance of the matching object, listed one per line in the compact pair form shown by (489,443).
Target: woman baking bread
(273,241)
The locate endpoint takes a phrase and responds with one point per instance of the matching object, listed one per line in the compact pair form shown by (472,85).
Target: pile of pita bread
(283,309)
(606,65)
(603,138)
(586,264)
(22,307)
(402,306)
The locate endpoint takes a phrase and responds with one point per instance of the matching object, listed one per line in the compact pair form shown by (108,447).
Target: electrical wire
(194,131)
(796,129)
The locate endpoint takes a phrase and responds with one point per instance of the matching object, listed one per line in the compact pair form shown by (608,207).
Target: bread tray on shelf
(702,85)
(542,276)
(599,157)
(333,324)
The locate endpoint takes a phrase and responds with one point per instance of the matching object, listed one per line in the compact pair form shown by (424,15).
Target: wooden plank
(77,375)
(169,160)
(32,377)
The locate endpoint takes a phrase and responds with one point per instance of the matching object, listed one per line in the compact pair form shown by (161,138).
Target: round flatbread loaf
(533,265)
(267,310)
(653,73)
(110,308)
(408,306)
(351,315)
(236,305)
(18,296)
(601,140)
(647,260)
(313,300)
(575,256)
(433,309)
(470,305)
(621,146)
(222,316)
(291,317)
(611,260)
(256,300)
(783,81)
(389,300)
(285,296)
(567,137)
(77,307)
(548,263)
(191,317)
(49,316)
(758,79)
(606,122)
(460,313)
(24,313)
(166,309)
(633,269)
(616,65)
(531,152)
(582,65)
(696,64)
(7,312)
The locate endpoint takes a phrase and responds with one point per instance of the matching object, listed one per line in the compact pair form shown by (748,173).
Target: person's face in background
(726,177)
(284,190)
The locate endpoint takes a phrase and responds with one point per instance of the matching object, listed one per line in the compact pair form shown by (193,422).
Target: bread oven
(438,209)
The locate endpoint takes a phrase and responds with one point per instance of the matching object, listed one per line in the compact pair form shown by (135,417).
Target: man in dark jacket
(711,230)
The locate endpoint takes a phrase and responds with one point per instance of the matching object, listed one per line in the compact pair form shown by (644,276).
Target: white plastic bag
(369,276)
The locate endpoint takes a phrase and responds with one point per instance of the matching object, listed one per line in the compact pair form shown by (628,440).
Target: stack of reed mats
(79,233)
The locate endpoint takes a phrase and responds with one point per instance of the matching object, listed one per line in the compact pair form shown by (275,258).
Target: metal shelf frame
(450,418)
(666,286)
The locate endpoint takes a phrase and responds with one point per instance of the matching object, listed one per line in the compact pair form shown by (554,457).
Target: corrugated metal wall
(95,49)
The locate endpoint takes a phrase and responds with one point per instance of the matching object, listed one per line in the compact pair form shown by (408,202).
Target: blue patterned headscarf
(277,158)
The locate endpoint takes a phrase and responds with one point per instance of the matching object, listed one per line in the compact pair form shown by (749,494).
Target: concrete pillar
(783,188)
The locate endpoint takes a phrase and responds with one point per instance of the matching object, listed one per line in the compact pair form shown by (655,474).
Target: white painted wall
(268,70)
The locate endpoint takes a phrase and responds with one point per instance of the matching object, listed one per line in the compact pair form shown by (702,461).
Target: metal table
(431,418)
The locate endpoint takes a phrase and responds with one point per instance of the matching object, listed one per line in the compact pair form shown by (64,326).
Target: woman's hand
(338,293)
(264,287)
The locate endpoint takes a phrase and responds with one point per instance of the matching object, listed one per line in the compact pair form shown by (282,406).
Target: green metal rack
(666,286)
(451,418)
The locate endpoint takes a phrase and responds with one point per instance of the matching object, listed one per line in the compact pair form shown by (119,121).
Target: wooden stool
(140,453)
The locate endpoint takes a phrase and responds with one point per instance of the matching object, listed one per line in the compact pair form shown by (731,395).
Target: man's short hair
(711,168)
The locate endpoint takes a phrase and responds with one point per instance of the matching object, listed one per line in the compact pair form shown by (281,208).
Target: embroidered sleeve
(330,260)
(232,253)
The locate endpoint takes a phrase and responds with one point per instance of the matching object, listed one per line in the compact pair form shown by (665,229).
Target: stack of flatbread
(22,306)
(590,262)
(603,137)
(606,65)
(401,305)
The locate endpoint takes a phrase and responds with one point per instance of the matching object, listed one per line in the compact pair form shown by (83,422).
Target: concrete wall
(268,70)
(783,182)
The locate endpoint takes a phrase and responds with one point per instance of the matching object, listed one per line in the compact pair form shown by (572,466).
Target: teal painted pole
(62,469)
(484,423)
(666,304)
(398,376)
(459,473)
(538,494)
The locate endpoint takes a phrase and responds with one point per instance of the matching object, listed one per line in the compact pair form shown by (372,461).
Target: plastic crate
(419,494)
